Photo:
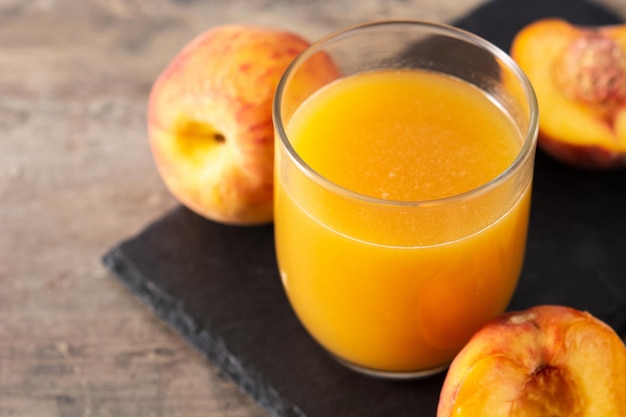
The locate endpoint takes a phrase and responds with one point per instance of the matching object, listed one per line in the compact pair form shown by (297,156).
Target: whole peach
(210,121)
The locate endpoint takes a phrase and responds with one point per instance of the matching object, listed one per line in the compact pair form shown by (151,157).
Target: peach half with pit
(579,76)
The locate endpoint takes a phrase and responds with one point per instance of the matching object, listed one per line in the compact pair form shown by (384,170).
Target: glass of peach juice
(403,169)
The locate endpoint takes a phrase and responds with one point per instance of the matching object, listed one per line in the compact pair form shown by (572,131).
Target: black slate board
(218,286)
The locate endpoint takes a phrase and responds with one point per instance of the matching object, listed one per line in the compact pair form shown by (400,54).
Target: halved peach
(545,361)
(579,76)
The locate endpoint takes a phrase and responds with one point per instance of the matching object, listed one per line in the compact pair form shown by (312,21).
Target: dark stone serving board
(218,285)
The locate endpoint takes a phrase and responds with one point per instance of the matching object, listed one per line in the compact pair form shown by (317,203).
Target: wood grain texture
(76,177)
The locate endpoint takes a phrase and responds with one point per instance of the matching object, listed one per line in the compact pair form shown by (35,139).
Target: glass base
(397,375)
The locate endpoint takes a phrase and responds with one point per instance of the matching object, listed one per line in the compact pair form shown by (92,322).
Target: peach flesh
(545,361)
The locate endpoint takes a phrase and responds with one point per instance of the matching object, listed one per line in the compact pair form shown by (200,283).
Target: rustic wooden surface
(76,177)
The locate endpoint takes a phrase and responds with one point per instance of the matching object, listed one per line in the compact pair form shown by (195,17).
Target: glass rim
(529,138)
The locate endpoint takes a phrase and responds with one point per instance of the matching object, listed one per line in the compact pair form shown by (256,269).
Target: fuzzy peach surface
(210,121)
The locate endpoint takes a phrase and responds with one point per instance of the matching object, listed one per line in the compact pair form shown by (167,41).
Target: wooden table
(76,177)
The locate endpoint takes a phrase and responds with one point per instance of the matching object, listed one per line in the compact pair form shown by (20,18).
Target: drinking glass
(393,287)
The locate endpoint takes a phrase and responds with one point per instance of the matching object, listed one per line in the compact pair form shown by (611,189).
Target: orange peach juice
(396,273)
